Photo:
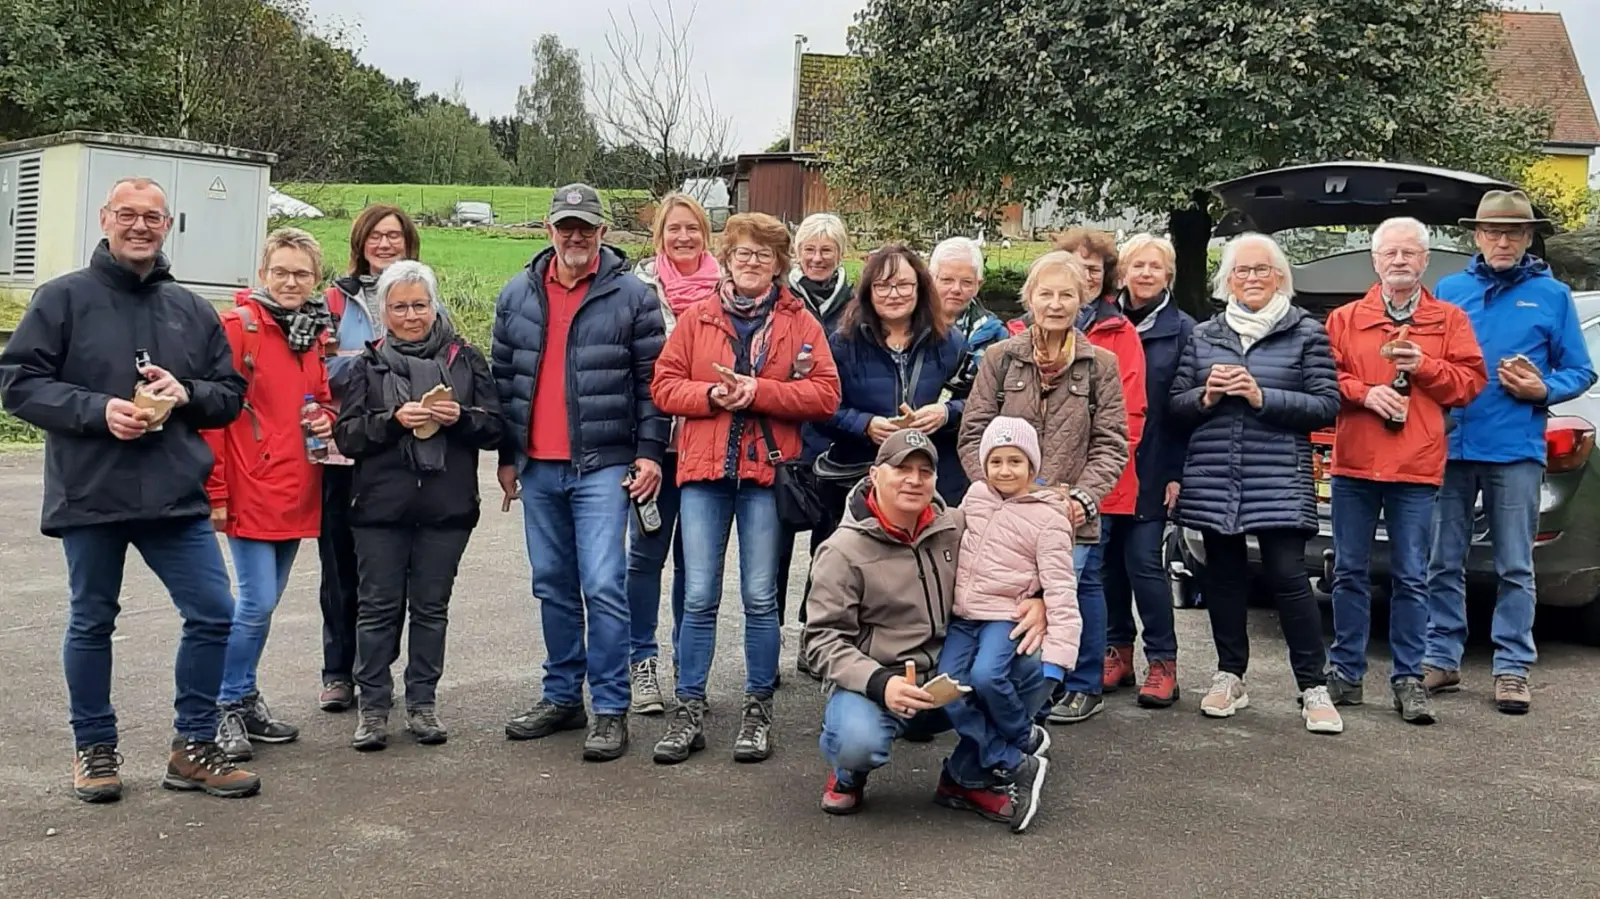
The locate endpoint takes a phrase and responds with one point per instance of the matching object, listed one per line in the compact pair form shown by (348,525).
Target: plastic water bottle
(316,447)
(804,362)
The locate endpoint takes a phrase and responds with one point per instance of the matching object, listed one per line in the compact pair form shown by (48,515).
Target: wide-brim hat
(1506,207)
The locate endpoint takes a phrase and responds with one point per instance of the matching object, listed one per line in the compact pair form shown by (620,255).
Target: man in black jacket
(575,343)
(118,475)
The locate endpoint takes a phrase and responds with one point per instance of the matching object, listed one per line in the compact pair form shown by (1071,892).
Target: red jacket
(262,476)
(684,378)
(1111,330)
(1451,374)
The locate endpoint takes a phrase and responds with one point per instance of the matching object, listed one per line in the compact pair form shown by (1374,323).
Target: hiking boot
(200,765)
(685,733)
(843,795)
(261,726)
(1344,692)
(644,677)
(607,739)
(336,696)
(94,775)
(1440,680)
(1038,741)
(372,734)
(754,743)
(423,722)
(1316,707)
(1160,687)
(544,719)
(1226,696)
(1412,702)
(232,736)
(1511,695)
(1075,707)
(1118,669)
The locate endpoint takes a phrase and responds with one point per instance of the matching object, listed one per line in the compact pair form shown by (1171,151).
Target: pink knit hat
(1015,432)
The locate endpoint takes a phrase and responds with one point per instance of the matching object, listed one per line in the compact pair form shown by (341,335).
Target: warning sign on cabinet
(217,190)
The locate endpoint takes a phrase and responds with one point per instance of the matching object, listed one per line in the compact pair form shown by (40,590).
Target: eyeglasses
(382,237)
(1498,234)
(576,226)
(894,289)
(1243,272)
(288,274)
(405,309)
(965,284)
(127,218)
(1389,254)
(745,254)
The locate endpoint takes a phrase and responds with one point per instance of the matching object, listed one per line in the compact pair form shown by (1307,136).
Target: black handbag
(793,485)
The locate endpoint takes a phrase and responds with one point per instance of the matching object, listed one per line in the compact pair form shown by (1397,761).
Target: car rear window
(1303,245)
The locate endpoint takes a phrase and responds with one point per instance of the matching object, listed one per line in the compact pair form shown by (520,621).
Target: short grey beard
(581,263)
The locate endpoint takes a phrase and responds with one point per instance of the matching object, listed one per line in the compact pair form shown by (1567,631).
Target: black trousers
(1283,568)
(336,549)
(404,568)
(833,495)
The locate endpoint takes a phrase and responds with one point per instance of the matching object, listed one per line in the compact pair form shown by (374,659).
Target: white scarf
(1252,326)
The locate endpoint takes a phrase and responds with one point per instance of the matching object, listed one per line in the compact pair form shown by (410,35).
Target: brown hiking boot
(94,777)
(1511,695)
(201,765)
(336,696)
(1160,687)
(1438,680)
(1118,668)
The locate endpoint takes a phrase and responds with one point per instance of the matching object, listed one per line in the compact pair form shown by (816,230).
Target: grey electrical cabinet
(52,189)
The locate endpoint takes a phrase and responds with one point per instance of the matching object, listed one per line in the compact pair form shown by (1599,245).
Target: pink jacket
(1011,549)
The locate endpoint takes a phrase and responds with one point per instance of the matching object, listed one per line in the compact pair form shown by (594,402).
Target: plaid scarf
(300,325)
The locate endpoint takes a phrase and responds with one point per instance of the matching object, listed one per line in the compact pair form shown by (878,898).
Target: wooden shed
(788,186)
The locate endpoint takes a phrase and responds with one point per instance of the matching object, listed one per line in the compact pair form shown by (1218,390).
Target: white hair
(407,271)
(1418,230)
(956,249)
(826,225)
(1230,252)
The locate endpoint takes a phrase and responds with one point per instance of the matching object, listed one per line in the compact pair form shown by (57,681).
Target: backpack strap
(242,319)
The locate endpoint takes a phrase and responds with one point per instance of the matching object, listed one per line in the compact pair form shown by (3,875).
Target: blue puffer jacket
(1521,310)
(1247,469)
(870,385)
(1159,458)
(615,336)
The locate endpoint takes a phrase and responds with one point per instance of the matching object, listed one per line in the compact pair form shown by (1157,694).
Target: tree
(1127,103)
(557,137)
(644,92)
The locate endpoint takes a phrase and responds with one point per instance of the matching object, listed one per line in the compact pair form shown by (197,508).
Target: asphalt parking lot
(1139,803)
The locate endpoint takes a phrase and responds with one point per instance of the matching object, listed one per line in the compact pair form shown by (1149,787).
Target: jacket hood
(858,517)
(120,276)
(1529,266)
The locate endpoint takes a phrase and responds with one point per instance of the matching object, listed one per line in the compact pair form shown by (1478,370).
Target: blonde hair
(760,229)
(1230,253)
(825,225)
(293,239)
(1056,262)
(678,200)
(1137,244)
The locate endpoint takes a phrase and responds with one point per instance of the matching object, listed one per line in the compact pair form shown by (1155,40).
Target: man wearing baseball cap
(575,341)
(1533,346)
(882,588)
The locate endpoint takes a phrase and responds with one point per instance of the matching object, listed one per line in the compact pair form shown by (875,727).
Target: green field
(510,204)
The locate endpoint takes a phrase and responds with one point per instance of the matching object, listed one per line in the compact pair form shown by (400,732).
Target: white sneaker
(1316,706)
(1226,696)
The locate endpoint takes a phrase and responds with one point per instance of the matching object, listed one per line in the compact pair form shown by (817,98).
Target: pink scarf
(682,291)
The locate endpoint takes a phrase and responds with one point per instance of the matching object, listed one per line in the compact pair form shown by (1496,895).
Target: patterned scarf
(751,309)
(300,325)
(1051,369)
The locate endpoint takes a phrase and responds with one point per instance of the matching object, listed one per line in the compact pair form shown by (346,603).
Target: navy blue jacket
(870,385)
(1249,470)
(1159,458)
(615,336)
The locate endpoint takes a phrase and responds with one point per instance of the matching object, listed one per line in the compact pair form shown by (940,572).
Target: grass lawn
(510,204)
(11,312)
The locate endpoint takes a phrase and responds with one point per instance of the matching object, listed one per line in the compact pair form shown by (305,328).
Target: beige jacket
(876,603)
(1077,450)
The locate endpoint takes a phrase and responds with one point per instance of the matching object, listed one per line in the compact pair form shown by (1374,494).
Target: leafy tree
(1127,103)
(557,138)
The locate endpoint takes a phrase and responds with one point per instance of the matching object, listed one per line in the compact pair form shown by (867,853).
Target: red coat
(684,378)
(1451,375)
(262,476)
(1111,330)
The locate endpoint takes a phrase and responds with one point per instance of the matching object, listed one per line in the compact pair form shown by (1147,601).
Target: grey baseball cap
(576,201)
(902,444)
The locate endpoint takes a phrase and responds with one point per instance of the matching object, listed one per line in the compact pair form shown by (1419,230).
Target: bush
(15,430)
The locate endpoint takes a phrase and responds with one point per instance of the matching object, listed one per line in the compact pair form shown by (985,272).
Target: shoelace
(99,761)
(426,717)
(1513,687)
(649,680)
(210,757)
(1317,698)
(1153,677)
(756,718)
(232,729)
(684,720)
(1222,682)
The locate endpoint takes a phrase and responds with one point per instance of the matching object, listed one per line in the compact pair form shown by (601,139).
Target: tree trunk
(1191,232)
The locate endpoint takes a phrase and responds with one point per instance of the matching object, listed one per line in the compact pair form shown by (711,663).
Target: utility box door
(8,213)
(218,209)
(107,167)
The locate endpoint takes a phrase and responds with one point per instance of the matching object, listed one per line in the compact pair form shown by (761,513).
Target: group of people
(985,500)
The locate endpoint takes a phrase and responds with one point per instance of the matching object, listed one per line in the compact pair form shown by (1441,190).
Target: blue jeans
(647,554)
(1408,518)
(1511,501)
(1133,576)
(1087,560)
(708,512)
(858,734)
(994,717)
(262,568)
(184,554)
(576,525)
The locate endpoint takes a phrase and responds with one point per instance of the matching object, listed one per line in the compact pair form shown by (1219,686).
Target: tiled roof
(1536,66)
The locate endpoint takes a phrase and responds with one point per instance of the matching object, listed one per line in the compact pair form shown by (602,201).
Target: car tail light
(1568,441)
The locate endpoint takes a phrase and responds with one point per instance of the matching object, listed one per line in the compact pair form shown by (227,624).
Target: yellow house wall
(1572,170)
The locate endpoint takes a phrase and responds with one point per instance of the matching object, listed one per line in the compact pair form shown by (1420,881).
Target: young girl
(1017,541)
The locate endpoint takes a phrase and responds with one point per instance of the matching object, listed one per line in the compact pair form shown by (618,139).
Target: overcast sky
(746,48)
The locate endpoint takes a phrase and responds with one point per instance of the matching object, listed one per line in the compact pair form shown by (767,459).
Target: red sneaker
(1160,688)
(994,805)
(841,798)
(1119,668)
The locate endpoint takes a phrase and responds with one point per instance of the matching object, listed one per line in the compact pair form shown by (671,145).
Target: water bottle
(804,362)
(316,447)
